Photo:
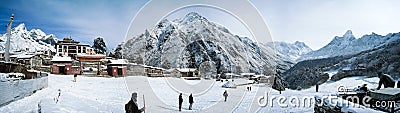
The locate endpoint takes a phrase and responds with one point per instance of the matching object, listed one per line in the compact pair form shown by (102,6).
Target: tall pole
(8,35)
(144,105)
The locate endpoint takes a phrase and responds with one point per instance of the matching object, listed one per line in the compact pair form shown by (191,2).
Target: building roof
(61,59)
(84,55)
(146,66)
(259,76)
(118,61)
(83,45)
(90,58)
(186,69)
(22,55)
(247,73)
(67,40)
(25,56)
(230,74)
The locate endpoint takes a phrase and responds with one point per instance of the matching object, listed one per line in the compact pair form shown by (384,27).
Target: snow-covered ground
(88,94)
(327,88)
(98,94)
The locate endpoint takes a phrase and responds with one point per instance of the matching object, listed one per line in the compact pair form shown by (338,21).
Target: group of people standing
(225,94)
(248,88)
(132,107)
(181,101)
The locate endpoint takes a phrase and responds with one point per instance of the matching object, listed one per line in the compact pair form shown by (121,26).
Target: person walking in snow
(225,95)
(132,107)
(75,75)
(180,101)
(190,102)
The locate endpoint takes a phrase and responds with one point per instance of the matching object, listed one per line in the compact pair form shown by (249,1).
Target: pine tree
(99,45)
(117,52)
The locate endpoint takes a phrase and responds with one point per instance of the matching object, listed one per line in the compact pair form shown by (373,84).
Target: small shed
(134,69)
(247,75)
(62,65)
(117,67)
(183,72)
(228,75)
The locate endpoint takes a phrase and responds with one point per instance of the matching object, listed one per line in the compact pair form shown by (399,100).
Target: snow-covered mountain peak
(192,17)
(164,21)
(33,40)
(348,44)
(348,33)
(191,40)
(291,50)
(37,33)
(346,39)
(300,44)
(20,28)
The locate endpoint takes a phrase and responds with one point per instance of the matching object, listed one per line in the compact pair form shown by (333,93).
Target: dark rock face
(307,73)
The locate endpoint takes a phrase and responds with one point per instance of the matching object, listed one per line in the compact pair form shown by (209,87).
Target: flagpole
(8,35)
(144,105)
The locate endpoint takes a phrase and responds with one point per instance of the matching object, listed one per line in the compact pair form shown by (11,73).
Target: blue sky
(83,20)
(314,22)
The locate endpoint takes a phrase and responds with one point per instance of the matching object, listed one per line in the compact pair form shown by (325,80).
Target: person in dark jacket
(75,75)
(364,88)
(180,101)
(132,107)
(225,95)
(190,102)
(386,80)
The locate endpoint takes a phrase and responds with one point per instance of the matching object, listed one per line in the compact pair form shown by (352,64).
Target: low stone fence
(17,89)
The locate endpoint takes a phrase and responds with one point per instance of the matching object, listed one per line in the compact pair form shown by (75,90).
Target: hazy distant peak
(348,33)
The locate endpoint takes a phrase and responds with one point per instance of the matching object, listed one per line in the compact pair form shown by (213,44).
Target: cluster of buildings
(69,57)
(72,57)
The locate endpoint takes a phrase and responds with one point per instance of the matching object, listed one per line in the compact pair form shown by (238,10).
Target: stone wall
(135,70)
(15,90)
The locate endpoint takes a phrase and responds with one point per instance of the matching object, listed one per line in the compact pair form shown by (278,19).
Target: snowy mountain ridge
(192,40)
(348,44)
(291,50)
(22,39)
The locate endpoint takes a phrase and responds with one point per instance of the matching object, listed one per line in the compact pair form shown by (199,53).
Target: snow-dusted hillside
(189,41)
(384,58)
(22,39)
(291,50)
(348,44)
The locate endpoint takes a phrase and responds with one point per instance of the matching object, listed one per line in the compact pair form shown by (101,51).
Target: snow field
(98,94)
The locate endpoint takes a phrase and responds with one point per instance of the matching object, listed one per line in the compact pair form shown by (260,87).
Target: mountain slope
(189,41)
(22,39)
(348,44)
(291,50)
(383,58)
